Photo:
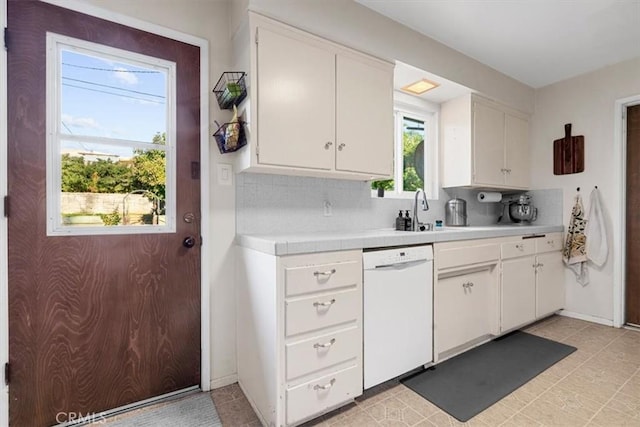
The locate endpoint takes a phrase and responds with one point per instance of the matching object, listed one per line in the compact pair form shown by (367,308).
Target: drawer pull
(467,285)
(520,247)
(326,386)
(325,345)
(324,273)
(324,304)
(549,242)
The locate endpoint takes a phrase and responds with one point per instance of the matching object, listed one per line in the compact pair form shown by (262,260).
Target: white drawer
(315,397)
(313,354)
(455,257)
(518,248)
(551,242)
(320,311)
(322,277)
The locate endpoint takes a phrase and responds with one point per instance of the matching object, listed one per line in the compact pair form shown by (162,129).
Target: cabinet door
(518,296)
(550,284)
(517,151)
(488,145)
(296,100)
(464,309)
(364,115)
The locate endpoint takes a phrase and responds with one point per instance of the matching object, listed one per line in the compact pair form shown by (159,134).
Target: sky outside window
(110,99)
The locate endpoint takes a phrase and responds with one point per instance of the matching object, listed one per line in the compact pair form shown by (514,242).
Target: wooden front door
(632,297)
(101,320)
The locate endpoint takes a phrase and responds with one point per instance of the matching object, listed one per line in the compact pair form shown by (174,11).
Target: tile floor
(598,385)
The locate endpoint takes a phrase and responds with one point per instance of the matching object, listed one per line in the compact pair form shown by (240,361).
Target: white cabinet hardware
(325,345)
(326,386)
(325,303)
(324,273)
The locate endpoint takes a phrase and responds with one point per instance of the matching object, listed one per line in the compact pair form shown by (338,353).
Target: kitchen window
(415,156)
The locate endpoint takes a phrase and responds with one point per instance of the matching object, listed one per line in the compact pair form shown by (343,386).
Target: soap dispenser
(400,222)
(408,222)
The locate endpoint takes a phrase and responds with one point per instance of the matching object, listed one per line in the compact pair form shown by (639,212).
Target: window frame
(55,44)
(429,114)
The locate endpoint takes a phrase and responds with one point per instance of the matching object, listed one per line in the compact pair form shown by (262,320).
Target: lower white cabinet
(465,302)
(518,284)
(549,283)
(487,287)
(299,333)
(466,288)
(532,280)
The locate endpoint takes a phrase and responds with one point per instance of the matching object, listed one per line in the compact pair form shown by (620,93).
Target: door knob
(189,242)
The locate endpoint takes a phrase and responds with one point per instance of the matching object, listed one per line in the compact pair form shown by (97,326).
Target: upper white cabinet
(296,101)
(314,108)
(484,144)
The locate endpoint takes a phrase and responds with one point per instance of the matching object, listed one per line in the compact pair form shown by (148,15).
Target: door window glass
(111,140)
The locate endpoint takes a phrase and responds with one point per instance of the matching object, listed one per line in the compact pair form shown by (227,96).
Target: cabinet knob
(328,145)
(341,146)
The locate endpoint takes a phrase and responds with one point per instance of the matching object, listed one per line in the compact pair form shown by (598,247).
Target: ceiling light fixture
(420,87)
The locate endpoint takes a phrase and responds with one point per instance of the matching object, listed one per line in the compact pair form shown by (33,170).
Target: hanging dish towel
(596,233)
(574,252)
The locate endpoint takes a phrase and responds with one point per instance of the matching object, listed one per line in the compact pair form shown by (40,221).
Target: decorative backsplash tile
(267,204)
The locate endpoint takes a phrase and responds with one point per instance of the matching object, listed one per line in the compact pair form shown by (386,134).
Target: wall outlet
(328,209)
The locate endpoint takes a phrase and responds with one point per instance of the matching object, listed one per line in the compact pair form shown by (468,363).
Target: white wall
(208,19)
(587,102)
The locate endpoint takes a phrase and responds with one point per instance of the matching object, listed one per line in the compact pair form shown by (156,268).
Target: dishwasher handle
(399,265)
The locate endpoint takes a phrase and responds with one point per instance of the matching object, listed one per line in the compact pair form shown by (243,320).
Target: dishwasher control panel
(397,256)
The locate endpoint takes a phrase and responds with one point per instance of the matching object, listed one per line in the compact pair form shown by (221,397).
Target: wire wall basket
(231,89)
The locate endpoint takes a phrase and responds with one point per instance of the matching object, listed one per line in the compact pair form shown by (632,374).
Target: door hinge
(7,373)
(257,152)
(6,38)
(6,206)
(256,36)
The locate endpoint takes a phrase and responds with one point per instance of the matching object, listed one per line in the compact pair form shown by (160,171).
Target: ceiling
(537,42)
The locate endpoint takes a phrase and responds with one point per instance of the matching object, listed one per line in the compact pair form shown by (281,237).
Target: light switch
(225,174)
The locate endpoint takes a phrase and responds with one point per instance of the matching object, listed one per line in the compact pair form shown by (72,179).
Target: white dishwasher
(397,312)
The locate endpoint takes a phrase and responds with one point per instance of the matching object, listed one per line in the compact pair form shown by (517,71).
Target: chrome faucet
(425,207)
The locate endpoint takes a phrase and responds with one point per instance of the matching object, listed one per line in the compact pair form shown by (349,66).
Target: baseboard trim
(587,317)
(224,381)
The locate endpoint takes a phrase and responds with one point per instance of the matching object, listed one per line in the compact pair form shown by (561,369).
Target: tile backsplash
(268,204)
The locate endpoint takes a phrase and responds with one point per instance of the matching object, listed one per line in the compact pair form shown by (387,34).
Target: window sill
(407,195)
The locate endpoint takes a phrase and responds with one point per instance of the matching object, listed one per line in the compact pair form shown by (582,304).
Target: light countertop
(298,243)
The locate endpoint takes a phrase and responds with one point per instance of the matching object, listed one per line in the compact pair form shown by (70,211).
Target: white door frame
(619,226)
(203,44)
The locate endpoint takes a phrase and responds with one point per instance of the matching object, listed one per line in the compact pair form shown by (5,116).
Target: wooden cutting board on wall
(568,153)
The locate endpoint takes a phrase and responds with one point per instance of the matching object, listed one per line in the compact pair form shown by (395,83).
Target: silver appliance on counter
(522,211)
(455,213)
